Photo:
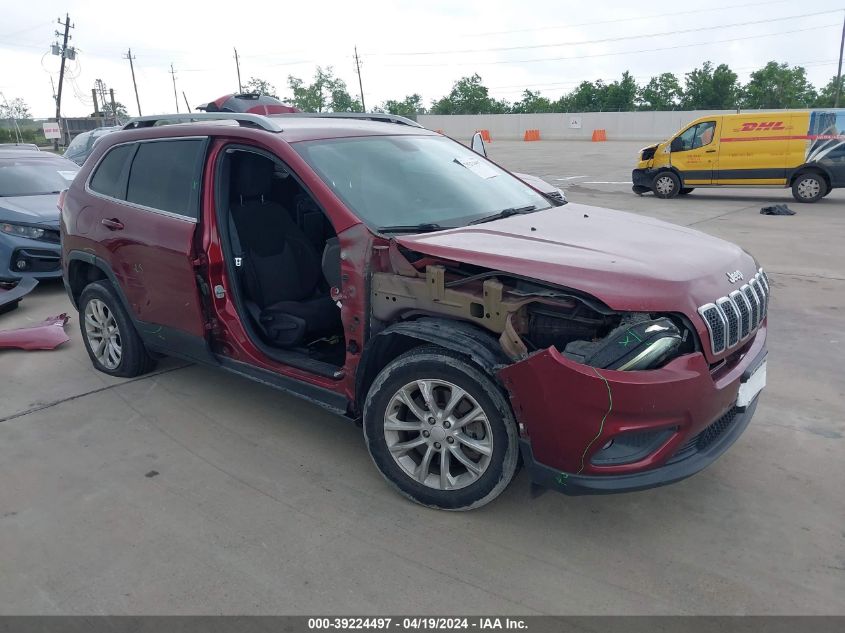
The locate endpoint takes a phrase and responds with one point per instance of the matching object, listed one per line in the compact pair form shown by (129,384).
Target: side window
(697,136)
(165,175)
(704,133)
(107,179)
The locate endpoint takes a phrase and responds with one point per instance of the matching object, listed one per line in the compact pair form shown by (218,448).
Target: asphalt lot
(265,504)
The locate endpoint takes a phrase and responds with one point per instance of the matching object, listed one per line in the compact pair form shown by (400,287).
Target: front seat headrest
(253,176)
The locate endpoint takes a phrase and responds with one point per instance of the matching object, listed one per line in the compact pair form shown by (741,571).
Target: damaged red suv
(387,273)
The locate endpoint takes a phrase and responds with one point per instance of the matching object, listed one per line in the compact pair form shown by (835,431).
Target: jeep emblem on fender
(735,276)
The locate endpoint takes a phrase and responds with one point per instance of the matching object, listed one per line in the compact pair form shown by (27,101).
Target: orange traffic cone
(485,136)
(599,135)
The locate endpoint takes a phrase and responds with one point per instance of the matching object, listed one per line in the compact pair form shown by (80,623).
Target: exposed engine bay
(527,316)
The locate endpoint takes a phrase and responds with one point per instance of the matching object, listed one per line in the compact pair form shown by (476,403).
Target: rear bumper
(678,419)
(572,484)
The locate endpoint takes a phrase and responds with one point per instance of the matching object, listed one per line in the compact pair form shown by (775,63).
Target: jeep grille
(731,320)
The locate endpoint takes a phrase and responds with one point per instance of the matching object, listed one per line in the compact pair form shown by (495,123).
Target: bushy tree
(469,96)
(326,93)
(621,95)
(15,109)
(778,86)
(827,95)
(119,110)
(409,106)
(709,88)
(260,86)
(660,93)
(531,103)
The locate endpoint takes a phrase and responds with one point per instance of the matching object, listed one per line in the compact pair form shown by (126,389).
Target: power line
(631,18)
(593,55)
(609,39)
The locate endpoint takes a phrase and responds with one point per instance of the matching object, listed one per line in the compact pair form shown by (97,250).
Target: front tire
(809,187)
(666,184)
(441,431)
(110,338)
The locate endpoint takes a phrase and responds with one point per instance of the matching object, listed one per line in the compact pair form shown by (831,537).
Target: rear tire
(686,190)
(666,184)
(430,408)
(110,338)
(809,187)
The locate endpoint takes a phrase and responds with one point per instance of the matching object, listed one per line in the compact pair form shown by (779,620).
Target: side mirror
(477,144)
(677,145)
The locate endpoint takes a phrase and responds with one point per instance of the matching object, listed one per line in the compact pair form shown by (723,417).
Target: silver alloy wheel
(103,334)
(664,185)
(438,434)
(809,188)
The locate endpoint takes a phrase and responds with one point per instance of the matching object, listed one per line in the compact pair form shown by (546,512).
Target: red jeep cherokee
(391,275)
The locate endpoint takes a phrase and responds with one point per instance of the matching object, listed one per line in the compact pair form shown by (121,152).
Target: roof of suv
(289,127)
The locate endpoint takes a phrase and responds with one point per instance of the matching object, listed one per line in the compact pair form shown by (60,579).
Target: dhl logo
(761,127)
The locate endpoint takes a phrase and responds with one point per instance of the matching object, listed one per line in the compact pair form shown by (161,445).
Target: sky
(405,47)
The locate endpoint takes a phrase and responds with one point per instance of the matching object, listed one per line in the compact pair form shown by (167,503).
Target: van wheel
(809,187)
(686,190)
(440,431)
(666,185)
(109,336)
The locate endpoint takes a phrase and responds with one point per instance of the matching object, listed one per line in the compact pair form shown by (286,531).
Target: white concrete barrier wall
(620,126)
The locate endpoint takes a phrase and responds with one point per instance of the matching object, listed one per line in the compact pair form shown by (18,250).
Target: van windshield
(389,181)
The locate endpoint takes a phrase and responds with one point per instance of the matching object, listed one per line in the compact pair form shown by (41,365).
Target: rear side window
(165,175)
(107,179)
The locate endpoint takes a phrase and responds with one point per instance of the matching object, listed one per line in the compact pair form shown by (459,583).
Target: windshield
(415,180)
(32,177)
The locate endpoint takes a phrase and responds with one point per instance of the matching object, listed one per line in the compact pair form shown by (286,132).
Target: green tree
(709,88)
(532,103)
(326,93)
(620,96)
(660,93)
(469,96)
(15,109)
(587,97)
(260,86)
(827,95)
(779,86)
(409,106)
(120,110)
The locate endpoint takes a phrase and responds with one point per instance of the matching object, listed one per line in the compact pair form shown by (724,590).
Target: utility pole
(132,68)
(113,107)
(238,66)
(187,105)
(175,96)
(838,72)
(65,53)
(360,83)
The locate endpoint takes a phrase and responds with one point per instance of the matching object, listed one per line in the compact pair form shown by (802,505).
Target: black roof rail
(383,117)
(243,118)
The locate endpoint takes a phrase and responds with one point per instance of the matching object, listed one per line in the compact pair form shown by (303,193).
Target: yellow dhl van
(804,150)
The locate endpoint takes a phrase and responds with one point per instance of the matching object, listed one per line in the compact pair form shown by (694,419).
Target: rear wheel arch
(85,269)
(471,343)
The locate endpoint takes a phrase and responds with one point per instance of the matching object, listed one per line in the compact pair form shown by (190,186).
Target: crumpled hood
(30,209)
(629,262)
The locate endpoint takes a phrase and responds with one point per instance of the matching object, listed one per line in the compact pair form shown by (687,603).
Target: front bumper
(642,177)
(41,259)
(569,412)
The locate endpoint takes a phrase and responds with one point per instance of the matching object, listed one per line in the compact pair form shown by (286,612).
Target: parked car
(391,275)
(80,147)
(252,102)
(20,146)
(30,183)
(804,150)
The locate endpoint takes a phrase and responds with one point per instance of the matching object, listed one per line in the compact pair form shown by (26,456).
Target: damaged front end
(528,317)
(606,400)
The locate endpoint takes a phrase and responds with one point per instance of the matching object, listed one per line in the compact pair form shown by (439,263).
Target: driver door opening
(283,261)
